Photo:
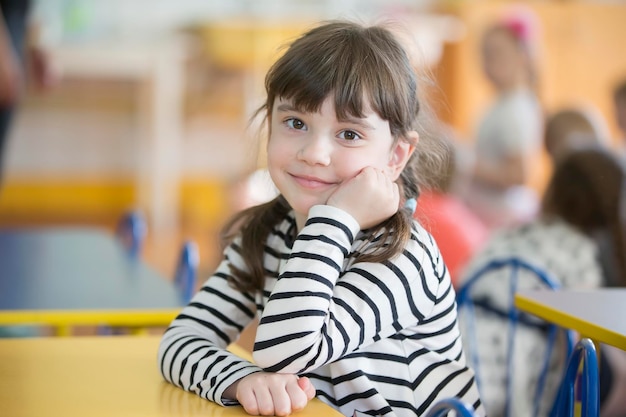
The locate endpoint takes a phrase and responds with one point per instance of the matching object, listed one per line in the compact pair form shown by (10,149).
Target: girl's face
(504,61)
(311,154)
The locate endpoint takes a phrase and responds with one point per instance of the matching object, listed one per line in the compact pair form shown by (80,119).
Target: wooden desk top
(62,276)
(599,314)
(100,377)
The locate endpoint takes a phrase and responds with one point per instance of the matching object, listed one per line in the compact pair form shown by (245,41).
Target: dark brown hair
(357,66)
(566,126)
(588,190)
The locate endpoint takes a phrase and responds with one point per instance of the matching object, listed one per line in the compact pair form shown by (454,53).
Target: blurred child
(355,303)
(579,240)
(509,135)
(16,54)
(571,128)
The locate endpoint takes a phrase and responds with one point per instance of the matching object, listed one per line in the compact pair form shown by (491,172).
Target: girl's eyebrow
(362,123)
(287,107)
(358,121)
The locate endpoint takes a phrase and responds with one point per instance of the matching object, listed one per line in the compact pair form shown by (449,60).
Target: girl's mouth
(310,182)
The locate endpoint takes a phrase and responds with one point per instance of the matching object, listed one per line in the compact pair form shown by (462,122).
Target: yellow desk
(599,314)
(100,376)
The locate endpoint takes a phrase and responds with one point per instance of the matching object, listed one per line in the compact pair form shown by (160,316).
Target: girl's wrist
(335,213)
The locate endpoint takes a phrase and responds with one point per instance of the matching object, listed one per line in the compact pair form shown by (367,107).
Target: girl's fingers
(257,402)
(249,403)
(274,394)
(282,401)
(305,385)
(298,397)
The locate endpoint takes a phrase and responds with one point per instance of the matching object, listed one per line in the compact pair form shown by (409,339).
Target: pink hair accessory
(519,28)
(521,22)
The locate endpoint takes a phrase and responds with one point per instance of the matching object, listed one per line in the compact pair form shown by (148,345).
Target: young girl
(508,137)
(355,302)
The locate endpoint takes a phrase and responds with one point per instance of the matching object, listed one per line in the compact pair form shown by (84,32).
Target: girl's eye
(294,123)
(349,135)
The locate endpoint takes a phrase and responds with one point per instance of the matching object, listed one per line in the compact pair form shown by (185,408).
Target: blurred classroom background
(154,101)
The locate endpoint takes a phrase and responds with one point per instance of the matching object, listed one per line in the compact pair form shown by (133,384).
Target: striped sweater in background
(379,338)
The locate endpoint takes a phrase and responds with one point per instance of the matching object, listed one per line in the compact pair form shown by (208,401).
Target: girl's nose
(315,150)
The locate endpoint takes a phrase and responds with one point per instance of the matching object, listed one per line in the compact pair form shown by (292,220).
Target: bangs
(361,68)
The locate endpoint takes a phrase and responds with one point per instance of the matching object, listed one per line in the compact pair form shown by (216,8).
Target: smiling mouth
(311,182)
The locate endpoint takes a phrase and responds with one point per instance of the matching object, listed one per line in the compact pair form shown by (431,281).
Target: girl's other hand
(370,197)
(269,394)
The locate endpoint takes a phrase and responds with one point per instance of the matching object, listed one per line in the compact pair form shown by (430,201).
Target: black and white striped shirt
(380,338)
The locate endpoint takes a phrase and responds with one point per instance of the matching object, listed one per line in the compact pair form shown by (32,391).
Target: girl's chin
(303,209)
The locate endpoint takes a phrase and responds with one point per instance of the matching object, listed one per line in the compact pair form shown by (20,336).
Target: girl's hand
(268,394)
(370,197)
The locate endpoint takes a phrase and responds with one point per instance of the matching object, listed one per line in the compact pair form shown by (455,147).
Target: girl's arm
(192,353)
(10,70)
(318,312)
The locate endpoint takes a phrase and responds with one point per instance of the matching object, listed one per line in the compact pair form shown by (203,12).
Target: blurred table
(157,69)
(79,276)
(101,377)
(599,314)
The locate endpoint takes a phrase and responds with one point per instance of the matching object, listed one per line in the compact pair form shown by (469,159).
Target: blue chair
(584,353)
(443,407)
(187,269)
(132,230)
(185,277)
(467,304)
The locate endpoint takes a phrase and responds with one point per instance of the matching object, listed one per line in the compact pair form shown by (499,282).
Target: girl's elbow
(283,364)
(269,361)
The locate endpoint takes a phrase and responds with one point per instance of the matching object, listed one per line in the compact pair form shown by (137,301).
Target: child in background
(579,240)
(355,303)
(570,128)
(508,137)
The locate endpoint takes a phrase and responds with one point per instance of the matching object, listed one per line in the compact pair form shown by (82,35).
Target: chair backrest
(187,269)
(443,407)
(467,303)
(585,353)
(132,230)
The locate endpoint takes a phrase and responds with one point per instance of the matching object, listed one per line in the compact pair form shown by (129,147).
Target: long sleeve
(192,353)
(322,308)
(380,338)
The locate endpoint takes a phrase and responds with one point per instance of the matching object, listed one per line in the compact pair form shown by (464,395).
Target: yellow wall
(203,202)
(581,56)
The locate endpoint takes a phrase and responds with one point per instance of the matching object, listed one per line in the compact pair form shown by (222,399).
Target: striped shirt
(379,338)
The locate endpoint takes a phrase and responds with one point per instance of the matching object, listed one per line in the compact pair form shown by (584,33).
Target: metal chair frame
(584,354)
(443,407)
(465,301)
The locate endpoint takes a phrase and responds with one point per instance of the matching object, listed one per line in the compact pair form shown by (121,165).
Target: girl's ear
(401,152)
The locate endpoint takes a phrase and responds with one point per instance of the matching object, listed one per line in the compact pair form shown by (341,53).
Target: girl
(355,303)
(509,135)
